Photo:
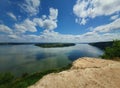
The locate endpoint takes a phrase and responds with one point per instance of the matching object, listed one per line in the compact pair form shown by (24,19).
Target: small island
(54,45)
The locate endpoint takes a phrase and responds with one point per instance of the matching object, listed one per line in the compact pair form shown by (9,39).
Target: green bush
(6,78)
(113,51)
(7,81)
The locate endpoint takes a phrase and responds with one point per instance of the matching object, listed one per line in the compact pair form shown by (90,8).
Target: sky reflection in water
(20,59)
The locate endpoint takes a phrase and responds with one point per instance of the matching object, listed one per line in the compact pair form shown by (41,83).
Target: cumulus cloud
(53,14)
(48,23)
(52,36)
(5,29)
(90,34)
(12,16)
(13,36)
(38,21)
(57,37)
(27,25)
(114,17)
(85,9)
(31,6)
(81,21)
(115,25)
(45,22)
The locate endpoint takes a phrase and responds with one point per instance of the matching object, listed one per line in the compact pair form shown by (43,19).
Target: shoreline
(32,80)
(85,73)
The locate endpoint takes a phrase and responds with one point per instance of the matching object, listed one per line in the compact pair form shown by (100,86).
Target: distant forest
(102,45)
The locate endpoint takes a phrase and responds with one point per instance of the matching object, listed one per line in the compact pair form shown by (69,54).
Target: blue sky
(59,20)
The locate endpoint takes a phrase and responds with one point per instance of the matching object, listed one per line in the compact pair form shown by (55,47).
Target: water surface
(20,59)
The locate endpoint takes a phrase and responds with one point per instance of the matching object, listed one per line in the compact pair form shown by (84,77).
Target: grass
(7,80)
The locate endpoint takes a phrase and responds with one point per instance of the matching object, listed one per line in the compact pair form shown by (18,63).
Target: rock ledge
(84,73)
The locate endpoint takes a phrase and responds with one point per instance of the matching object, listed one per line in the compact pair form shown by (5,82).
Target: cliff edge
(84,73)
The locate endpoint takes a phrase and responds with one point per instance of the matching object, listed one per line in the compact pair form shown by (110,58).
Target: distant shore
(102,45)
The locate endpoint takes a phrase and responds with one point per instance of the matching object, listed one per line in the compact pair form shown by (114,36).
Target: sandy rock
(85,73)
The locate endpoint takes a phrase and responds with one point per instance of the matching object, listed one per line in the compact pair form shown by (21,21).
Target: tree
(113,51)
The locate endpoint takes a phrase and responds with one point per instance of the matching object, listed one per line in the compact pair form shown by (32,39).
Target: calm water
(20,59)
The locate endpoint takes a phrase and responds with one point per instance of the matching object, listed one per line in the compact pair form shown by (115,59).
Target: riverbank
(84,73)
(102,45)
(7,80)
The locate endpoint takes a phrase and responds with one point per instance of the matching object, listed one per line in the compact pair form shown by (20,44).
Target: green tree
(113,51)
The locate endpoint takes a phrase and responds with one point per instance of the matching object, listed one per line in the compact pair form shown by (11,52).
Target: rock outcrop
(85,73)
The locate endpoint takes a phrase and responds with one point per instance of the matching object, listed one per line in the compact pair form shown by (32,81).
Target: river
(20,59)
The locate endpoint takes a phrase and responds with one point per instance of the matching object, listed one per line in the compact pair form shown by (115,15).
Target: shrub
(113,51)
(6,78)
(7,81)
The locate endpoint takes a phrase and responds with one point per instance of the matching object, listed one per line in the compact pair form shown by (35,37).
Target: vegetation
(15,43)
(51,45)
(102,45)
(113,51)
(7,80)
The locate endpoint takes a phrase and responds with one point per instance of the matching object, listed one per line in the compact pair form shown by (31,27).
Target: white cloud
(31,6)
(81,21)
(13,36)
(53,14)
(27,25)
(49,33)
(48,23)
(85,9)
(5,29)
(38,21)
(51,36)
(93,37)
(90,34)
(114,17)
(96,34)
(44,17)
(45,23)
(12,16)
(115,25)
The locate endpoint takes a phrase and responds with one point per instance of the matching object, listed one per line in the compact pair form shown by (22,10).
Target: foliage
(26,79)
(102,45)
(113,51)
(6,78)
